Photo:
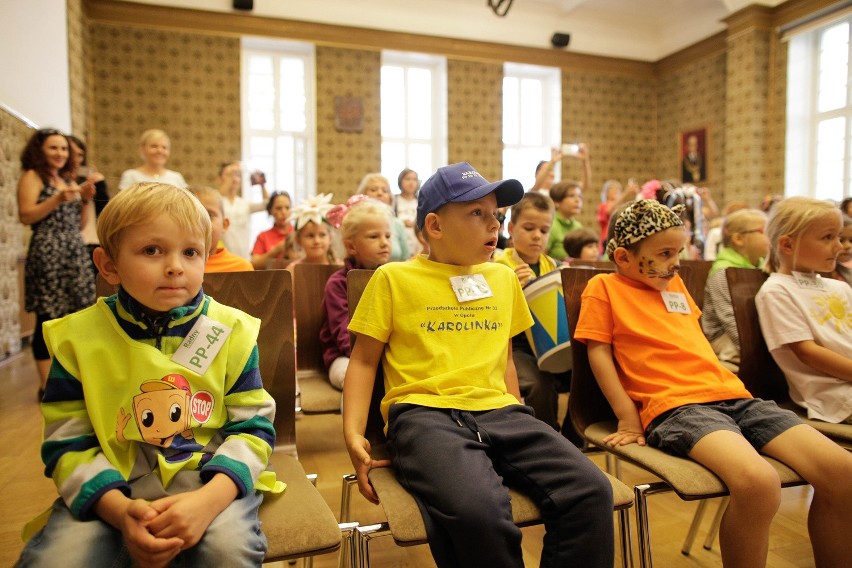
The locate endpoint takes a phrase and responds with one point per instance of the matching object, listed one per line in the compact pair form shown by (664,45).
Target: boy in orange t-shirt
(220,259)
(664,383)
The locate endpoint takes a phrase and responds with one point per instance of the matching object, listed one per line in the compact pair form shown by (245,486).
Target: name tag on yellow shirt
(201,344)
(470,287)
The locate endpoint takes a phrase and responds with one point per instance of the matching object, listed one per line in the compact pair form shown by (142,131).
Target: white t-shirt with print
(821,312)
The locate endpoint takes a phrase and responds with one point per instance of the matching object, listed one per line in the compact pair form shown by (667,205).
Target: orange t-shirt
(662,358)
(224,260)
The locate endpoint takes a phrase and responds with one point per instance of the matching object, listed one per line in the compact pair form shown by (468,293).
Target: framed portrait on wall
(693,155)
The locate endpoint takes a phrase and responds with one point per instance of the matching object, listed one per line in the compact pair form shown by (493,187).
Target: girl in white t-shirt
(806,318)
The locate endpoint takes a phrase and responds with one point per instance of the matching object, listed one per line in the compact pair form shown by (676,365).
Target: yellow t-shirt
(440,352)
(663,359)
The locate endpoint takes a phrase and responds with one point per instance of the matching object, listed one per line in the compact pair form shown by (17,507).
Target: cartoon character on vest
(162,413)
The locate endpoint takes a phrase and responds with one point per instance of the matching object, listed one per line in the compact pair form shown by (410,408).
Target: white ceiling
(646,30)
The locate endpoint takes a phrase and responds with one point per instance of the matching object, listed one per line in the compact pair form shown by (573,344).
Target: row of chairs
(299,523)
(593,419)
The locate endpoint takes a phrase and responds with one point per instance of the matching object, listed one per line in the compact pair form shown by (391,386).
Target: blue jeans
(233,538)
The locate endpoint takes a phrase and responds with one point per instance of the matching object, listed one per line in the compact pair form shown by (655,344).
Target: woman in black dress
(57,280)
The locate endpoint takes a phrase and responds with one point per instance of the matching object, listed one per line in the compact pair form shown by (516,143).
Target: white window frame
(301,183)
(804,118)
(551,121)
(437,66)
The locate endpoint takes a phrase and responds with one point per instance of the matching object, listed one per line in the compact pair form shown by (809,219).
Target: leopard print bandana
(640,221)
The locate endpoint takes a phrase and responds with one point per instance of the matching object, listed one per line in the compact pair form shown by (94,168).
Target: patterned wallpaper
(475,116)
(614,116)
(126,79)
(184,83)
(343,158)
(13,137)
(746,164)
(78,67)
(689,98)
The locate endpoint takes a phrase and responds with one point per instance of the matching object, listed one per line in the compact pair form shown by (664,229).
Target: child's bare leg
(755,496)
(828,468)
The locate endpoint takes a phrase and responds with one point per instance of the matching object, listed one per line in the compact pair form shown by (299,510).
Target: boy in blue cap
(442,325)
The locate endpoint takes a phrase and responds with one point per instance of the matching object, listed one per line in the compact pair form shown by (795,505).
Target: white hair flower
(313,208)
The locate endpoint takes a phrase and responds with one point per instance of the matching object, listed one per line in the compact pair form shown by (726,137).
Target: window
(819,112)
(414,114)
(532,118)
(278,122)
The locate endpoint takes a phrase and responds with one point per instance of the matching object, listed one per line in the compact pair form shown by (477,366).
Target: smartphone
(257,177)
(570,149)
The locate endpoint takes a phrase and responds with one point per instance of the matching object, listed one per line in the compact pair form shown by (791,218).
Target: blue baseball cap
(459,183)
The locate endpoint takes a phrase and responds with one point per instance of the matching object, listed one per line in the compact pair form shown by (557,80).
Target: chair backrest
(758,370)
(267,295)
(593,263)
(356,281)
(104,288)
(698,278)
(308,288)
(586,403)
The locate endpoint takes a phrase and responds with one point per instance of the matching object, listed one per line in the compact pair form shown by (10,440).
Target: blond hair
(740,221)
(200,191)
(363,211)
(142,202)
(369,178)
(790,218)
(153,134)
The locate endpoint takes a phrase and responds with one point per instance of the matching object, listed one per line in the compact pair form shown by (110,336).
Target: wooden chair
(593,418)
(593,263)
(405,522)
(308,287)
(699,270)
(758,370)
(298,522)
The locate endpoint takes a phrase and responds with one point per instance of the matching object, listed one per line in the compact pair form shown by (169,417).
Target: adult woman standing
(238,210)
(58,280)
(84,172)
(155,148)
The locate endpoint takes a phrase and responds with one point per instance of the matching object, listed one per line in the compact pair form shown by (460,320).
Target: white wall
(34,48)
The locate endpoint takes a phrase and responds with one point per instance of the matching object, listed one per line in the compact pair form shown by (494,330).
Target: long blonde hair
(790,218)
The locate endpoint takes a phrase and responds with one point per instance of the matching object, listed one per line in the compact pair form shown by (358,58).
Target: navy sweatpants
(455,463)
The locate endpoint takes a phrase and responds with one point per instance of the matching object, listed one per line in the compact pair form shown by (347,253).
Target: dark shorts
(758,421)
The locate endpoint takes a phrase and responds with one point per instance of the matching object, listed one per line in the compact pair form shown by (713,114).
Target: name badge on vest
(201,344)
(676,303)
(470,287)
(808,281)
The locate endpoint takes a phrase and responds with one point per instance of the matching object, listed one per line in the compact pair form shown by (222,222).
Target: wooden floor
(321,451)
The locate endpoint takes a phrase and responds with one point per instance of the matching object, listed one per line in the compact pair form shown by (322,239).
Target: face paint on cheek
(641,267)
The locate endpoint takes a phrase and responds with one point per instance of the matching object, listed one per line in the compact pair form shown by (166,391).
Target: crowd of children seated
(423,246)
